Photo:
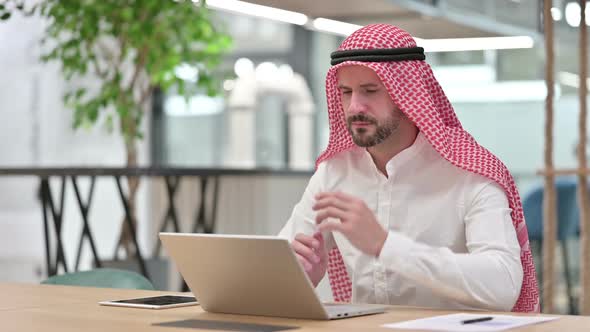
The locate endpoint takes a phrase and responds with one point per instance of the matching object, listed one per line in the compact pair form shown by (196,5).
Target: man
(405,207)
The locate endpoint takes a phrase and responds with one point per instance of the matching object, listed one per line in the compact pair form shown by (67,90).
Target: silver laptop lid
(238,274)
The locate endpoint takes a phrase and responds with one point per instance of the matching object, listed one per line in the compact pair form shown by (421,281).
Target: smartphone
(154,302)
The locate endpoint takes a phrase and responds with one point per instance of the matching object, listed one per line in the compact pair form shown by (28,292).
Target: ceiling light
(475,44)
(335,27)
(573,14)
(556,14)
(246,8)
(435,45)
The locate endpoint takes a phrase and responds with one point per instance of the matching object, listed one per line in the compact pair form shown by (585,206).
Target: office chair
(567,223)
(103,278)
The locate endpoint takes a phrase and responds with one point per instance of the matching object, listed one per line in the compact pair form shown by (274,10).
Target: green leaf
(93,114)
(5,16)
(127,14)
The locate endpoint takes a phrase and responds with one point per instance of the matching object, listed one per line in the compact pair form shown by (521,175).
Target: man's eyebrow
(369,85)
(364,85)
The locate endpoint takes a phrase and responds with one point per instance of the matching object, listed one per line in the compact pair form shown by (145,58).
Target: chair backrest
(103,278)
(567,209)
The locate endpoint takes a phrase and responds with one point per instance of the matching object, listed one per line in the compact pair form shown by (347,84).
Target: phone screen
(159,300)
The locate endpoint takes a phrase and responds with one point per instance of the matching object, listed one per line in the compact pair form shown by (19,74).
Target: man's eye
(371,91)
(346,92)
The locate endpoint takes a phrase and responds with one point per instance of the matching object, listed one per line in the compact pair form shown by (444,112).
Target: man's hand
(312,255)
(357,221)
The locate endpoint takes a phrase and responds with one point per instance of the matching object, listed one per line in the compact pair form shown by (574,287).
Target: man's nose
(357,104)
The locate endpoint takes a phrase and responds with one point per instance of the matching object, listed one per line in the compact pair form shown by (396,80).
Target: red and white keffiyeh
(414,89)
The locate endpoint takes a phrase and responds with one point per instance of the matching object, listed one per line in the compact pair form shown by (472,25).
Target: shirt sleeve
(488,276)
(302,218)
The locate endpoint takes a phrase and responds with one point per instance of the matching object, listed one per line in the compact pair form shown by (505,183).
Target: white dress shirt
(450,244)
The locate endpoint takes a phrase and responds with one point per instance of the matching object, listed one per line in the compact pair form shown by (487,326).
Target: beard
(362,136)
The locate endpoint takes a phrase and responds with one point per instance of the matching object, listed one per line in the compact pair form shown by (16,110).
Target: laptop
(251,275)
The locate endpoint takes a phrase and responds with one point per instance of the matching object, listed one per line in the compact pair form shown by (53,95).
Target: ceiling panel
(379,11)
(336,8)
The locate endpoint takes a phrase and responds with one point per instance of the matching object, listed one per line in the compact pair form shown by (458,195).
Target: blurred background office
(270,113)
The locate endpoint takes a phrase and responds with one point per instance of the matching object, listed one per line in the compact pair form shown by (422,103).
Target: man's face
(371,115)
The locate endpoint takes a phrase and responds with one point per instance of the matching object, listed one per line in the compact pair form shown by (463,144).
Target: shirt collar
(406,157)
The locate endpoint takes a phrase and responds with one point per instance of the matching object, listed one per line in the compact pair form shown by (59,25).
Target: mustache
(361,118)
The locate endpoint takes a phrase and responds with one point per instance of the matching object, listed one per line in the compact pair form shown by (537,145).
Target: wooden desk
(47,308)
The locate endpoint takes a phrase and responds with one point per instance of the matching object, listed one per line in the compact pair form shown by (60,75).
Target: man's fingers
(330,212)
(321,251)
(330,201)
(306,265)
(320,237)
(332,226)
(305,252)
(307,240)
(336,194)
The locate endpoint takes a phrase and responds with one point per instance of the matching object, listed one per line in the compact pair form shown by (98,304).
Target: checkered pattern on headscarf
(414,89)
